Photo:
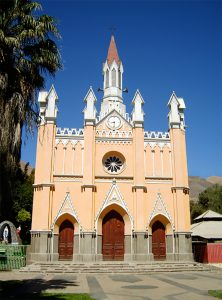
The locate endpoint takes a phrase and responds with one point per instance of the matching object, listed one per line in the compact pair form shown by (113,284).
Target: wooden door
(113,236)
(66,233)
(158,240)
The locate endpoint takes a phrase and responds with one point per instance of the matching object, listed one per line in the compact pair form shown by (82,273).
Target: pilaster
(180,189)
(88,187)
(43,186)
(139,189)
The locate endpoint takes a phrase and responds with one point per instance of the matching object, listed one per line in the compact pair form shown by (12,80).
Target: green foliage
(28,53)
(23,216)
(23,192)
(215,293)
(22,199)
(211,198)
(195,210)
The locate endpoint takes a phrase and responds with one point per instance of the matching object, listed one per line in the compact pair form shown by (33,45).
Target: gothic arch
(115,201)
(66,212)
(164,220)
(65,216)
(119,209)
(161,213)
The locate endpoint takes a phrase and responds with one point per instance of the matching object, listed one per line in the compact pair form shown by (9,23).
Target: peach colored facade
(112,164)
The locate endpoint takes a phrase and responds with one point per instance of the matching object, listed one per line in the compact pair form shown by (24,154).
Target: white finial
(176,114)
(48,108)
(138,113)
(90,110)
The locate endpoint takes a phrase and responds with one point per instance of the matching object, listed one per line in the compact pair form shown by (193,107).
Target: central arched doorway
(158,241)
(113,236)
(66,233)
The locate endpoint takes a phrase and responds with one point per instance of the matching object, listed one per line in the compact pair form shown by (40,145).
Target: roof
(209,214)
(207,230)
(112,52)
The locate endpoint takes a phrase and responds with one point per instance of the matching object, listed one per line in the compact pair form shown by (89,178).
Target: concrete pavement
(171,285)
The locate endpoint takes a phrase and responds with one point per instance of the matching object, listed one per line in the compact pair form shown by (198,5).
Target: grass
(50,296)
(55,296)
(215,293)
(15,289)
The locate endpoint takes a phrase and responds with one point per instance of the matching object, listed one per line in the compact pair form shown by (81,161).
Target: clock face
(114,122)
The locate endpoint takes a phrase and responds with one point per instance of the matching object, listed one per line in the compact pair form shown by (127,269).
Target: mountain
(198,184)
(215,179)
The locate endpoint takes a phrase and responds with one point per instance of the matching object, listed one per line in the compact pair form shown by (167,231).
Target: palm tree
(28,53)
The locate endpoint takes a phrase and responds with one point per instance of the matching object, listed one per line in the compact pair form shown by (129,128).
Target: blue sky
(165,46)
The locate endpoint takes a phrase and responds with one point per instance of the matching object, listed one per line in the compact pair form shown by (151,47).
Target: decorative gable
(114,197)
(67,207)
(160,208)
(114,121)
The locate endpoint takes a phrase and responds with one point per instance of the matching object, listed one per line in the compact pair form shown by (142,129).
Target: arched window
(107,78)
(113,77)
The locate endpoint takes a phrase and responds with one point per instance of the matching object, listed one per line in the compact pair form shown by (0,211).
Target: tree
(195,210)
(210,198)
(28,53)
(23,191)
(22,202)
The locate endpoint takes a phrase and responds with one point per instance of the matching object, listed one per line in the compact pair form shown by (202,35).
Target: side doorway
(158,241)
(66,234)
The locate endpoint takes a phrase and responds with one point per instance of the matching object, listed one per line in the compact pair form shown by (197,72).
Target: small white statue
(5,234)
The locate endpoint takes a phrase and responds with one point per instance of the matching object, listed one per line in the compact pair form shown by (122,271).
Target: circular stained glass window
(113,164)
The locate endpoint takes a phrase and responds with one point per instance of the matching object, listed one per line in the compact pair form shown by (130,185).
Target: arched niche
(64,217)
(164,220)
(121,211)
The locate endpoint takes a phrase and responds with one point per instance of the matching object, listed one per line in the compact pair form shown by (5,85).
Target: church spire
(112,82)
(112,52)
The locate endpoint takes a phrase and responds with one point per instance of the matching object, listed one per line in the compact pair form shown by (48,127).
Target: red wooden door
(66,233)
(113,236)
(158,240)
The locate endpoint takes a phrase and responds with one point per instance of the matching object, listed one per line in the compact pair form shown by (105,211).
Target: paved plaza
(171,285)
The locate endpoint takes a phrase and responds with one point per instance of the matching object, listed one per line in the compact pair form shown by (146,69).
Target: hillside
(198,184)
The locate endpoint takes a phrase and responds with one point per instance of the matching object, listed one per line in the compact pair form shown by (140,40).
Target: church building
(110,190)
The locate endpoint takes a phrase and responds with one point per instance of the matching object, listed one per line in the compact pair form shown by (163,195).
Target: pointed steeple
(112,52)
(112,82)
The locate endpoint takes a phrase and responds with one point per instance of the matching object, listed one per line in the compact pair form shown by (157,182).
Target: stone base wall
(88,247)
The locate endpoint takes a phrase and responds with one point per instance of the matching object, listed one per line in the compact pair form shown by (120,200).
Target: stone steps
(104,267)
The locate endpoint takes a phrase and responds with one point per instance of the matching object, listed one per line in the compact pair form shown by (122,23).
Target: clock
(114,122)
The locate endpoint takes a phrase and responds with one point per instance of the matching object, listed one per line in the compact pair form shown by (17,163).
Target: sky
(164,46)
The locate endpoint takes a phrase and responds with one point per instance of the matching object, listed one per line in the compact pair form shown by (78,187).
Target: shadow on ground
(32,288)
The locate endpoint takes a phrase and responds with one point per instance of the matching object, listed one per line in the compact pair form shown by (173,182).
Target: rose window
(113,164)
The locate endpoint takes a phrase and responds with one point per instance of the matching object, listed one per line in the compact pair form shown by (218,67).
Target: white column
(145,162)
(82,150)
(55,154)
(171,172)
(153,160)
(161,155)
(73,157)
(64,159)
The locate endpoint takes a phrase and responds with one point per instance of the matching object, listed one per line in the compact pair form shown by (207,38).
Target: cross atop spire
(112,52)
